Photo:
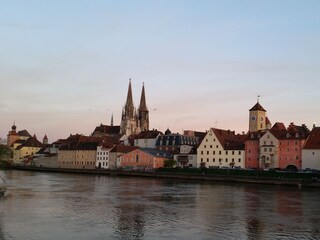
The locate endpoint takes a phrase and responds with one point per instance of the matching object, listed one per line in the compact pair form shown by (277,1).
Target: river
(55,206)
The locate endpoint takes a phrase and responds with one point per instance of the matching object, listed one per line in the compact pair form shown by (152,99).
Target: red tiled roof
(292,132)
(106,129)
(229,140)
(257,107)
(313,141)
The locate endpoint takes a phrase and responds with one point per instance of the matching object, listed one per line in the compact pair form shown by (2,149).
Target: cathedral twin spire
(132,122)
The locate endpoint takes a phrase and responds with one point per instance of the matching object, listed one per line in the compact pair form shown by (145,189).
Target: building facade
(221,148)
(144,159)
(311,150)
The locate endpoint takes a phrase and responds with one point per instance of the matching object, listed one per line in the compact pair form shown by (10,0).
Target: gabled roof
(229,140)
(31,142)
(106,130)
(24,133)
(257,107)
(148,134)
(313,141)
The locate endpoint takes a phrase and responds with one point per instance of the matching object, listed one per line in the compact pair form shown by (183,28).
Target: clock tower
(257,118)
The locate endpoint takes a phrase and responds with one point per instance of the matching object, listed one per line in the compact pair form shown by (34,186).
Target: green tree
(169,163)
(5,152)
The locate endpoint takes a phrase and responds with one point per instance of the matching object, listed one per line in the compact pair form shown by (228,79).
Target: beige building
(221,148)
(78,151)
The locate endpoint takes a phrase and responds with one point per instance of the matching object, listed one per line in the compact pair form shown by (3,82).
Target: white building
(221,148)
(147,139)
(102,160)
(311,150)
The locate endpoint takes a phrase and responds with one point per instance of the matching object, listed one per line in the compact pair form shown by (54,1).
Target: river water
(72,206)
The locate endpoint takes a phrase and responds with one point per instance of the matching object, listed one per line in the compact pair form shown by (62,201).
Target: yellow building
(23,151)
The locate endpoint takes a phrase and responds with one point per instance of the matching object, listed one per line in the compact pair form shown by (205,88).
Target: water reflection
(66,206)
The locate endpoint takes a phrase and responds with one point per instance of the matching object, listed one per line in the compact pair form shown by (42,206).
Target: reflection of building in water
(254,226)
(131,221)
(289,203)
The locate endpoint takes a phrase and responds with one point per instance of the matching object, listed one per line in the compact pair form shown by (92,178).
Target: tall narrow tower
(257,118)
(129,122)
(143,112)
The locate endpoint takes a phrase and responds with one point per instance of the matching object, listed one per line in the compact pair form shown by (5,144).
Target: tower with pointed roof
(143,112)
(258,120)
(133,122)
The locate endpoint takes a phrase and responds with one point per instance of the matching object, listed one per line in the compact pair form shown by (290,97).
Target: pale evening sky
(65,65)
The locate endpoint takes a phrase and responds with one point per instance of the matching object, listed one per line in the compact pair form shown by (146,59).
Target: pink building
(252,150)
(144,158)
(279,147)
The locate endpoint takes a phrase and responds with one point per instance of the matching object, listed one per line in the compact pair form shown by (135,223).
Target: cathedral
(132,121)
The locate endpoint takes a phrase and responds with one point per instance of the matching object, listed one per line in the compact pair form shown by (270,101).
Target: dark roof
(156,153)
(229,140)
(292,132)
(24,133)
(79,142)
(148,134)
(313,141)
(257,107)
(31,142)
(177,140)
(20,141)
(254,136)
(106,130)
(123,149)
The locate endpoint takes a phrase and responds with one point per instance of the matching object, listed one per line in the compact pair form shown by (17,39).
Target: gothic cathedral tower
(257,118)
(132,122)
(143,112)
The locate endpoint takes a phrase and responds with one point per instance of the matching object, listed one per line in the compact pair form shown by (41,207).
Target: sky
(65,65)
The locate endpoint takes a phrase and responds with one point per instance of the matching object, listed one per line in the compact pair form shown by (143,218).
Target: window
(239,152)
(270,149)
(201,159)
(271,142)
(207,152)
(217,146)
(206,140)
(210,146)
(201,152)
(219,152)
(214,160)
(214,152)
(233,152)
(226,160)
(207,159)
(137,158)
(226,152)
(239,160)
(205,146)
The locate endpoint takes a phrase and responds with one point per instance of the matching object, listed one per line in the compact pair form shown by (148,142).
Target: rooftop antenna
(258,97)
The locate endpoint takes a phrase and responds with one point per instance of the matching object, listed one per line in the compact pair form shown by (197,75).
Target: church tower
(12,135)
(129,121)
(143,112)
(257,118)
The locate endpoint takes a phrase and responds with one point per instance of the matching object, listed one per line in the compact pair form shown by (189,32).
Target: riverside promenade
(230,176)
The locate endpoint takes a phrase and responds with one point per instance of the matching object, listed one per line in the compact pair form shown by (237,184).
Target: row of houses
(264,146)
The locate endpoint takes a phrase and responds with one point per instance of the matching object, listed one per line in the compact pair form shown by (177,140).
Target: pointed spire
(143,103)
(129,102)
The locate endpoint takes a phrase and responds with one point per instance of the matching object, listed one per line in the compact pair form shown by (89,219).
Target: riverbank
(252,177)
